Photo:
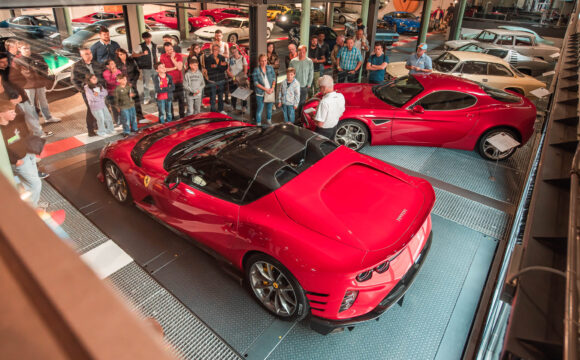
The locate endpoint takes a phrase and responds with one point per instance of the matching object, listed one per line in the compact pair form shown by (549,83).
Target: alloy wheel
(351,135)
(273,289)
(116,182)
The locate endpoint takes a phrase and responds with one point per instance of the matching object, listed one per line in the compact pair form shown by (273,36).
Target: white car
(90,34)
(343,15)
(487,69)
(523,42)
(234,30)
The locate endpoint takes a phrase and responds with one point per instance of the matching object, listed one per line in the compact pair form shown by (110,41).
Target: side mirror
(418,109)
(172,180)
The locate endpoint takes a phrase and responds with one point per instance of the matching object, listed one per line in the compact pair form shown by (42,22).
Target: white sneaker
(147,102)
(223,112)
(53,120)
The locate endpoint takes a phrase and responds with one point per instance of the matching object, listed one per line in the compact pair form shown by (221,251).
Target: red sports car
(217,15)
(169,19)
(431,110)
(98,16)
(315,228)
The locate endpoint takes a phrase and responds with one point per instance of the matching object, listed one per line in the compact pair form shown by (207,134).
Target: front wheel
(488,151)
(233,38)
(116,183)
(342,19)
(275,288)
(352,134)
(268,33)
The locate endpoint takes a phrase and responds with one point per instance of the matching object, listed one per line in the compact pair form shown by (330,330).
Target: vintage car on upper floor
(523,42)
(233,29)
(484,68)
(282,206)
(169,19)
(473,33)
(90,34)
(293,18)
(98,16)
(34,26)
(402,21)
(344,14)
(430,110)
(276,9)
(217,15)
(525,64)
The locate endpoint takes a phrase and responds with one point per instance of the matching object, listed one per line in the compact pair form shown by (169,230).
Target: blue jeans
(116,114)
(260,107)
(288,111)
(104,121)
(164,107)
(216,88)
(27,173)
(129,120)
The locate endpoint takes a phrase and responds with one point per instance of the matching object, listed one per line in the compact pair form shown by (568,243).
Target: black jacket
(80,72)
(144,61)
(16,136)
(130,69)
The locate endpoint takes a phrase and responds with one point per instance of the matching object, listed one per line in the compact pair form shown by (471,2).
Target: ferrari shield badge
(146,180)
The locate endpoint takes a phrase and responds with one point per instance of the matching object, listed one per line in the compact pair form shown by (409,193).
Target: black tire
(525,71)
(176,39)
(268,33)
(487,151)
(116,183)
(190,27)
(260,269)
(151,19)
(352,134)
(233,38)
(341,19)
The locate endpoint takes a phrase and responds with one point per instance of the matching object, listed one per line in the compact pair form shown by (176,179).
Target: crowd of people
(107,75)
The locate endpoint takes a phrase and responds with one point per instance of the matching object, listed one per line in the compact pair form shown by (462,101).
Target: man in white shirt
(330,108)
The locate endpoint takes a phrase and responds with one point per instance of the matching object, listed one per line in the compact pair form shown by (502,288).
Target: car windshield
(86,32)
(229,23)
(347,11)
(500,53)
(518,73)
(398,92)
(445,63)
(470,47)
(486,36)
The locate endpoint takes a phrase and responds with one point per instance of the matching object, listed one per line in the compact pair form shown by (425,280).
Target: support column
(372,22)
(257,46)
(364,14)
(458,20)
(425,17)
(329,14)
(305,23)
(132,25)
(182,23)
(63,23)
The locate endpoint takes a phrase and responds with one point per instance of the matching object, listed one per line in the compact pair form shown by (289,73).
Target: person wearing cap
(419,63)
(330,108)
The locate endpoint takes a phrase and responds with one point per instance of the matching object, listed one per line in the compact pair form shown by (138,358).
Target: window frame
(418,102)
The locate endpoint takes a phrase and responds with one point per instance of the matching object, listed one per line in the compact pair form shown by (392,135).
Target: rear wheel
(116,183)
(233,38)
(176,39)
(488,151)
(342,19)
(275,288)
(352,134)
(268,33)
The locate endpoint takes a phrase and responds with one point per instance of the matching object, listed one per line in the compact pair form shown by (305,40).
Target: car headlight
(283,18)
(348,300)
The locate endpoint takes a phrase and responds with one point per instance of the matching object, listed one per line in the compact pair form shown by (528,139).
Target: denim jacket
(258,78)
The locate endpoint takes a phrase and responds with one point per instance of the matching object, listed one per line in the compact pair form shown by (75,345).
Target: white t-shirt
(330,109)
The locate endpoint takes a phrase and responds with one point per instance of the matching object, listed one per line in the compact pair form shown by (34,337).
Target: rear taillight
(364,276)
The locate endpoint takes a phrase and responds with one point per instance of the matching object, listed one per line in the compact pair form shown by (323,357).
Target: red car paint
(456,129)
(223,13)
(345,214)
(91,18)
(169,19)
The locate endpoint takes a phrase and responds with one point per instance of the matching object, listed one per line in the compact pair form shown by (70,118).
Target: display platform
(475,202)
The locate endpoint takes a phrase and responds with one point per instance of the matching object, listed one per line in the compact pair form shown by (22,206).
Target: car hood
(358,201)
(397,69)
(360,95)
(212,29)
(454,44)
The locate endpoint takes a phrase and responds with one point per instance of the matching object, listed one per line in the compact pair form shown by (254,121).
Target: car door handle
(484,80)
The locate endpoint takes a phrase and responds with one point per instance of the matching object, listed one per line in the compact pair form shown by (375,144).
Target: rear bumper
(326,326)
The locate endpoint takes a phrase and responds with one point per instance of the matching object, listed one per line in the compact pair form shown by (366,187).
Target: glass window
(486,36)
(108,16)
(523,41)
(399,92)
(245,24)
(505,40)
(445,63)
(447,101)
(474,67)
(24,21)
(500,53)
(500,95)
(498,70)
(470,48)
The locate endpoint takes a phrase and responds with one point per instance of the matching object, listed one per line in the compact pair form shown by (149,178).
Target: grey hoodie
(192,82)
(289,94)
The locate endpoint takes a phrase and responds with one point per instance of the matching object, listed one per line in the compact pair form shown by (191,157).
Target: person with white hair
(330,108)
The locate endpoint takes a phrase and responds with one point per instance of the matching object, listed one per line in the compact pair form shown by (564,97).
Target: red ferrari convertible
(217,15)
(315,228)
(431,110)
(169,19)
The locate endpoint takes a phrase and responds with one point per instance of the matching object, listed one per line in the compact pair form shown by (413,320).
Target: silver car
(528,65)
(343,15)
(523,42)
